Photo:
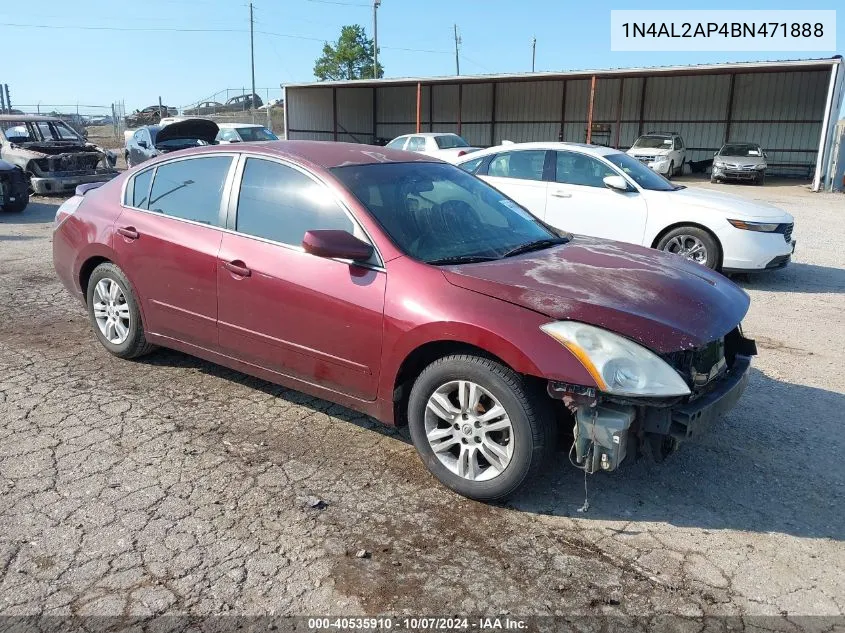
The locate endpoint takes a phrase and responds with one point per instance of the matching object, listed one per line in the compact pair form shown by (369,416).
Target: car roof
(431,134)
(227,126)
(583,148)
(325,154)
(28,117)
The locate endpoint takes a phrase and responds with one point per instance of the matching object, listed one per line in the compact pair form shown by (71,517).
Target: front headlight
(761,167)
(659,160)
(718,163)
(763,227)
(619,366)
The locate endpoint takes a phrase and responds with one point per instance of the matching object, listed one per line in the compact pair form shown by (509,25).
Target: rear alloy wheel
(692,243)
(478,428)
(114,313)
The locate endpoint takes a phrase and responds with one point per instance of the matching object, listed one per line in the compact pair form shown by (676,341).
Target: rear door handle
(129,232)
(238,268)
(561,194)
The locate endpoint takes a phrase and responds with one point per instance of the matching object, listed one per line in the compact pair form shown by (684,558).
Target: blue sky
(99,64)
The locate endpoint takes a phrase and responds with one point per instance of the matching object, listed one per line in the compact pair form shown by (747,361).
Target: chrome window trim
(229,190)
(232,227)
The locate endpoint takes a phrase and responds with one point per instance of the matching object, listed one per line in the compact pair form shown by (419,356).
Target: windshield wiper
(535,246)
(460,259)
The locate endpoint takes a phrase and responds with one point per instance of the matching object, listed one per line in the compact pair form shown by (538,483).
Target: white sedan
(603,192)
(442,145)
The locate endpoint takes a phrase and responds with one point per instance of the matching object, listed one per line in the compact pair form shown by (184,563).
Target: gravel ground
(169,485)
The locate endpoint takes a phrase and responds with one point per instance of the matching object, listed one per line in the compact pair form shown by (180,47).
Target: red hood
(659,300)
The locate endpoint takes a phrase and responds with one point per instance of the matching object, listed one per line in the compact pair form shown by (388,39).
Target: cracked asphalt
(172,486)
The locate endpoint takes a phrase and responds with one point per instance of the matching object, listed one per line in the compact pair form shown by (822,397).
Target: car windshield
(642,175)
(652,142)
(440,214)
(256,134)
(449,141)
(745,149)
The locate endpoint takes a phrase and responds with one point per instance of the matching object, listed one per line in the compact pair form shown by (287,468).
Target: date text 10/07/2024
(418,624)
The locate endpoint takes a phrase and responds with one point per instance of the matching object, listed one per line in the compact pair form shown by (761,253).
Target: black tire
(760,180)
(534,429)
(680,171)
(671,172)
(711,245)
(20,203)
(136,343)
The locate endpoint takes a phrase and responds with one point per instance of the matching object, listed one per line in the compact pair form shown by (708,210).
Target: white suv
(664,152)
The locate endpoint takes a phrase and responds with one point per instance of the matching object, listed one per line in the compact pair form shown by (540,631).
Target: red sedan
(407,289)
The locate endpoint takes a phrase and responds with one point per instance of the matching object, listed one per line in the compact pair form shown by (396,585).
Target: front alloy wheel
(468,430)
(480,428)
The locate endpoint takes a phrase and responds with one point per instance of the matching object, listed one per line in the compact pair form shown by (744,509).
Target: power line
(198,30)
(338,2)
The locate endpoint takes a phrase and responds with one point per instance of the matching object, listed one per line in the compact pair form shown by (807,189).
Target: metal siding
(355,113)
(445,105)
(476,103)
(309,109)
(529,101)
(476,134)
(397,105)
(578,103)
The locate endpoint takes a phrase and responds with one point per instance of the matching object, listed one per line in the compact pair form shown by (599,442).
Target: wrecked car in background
(52,156)
(14,188)
(149,115)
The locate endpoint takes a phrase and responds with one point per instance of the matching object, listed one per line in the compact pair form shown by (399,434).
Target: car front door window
(572,168)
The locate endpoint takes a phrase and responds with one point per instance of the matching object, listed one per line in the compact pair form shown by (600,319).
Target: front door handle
(129,232)
(561,194)
(238,268)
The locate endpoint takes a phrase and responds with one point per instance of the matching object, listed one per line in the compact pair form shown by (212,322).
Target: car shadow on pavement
(35,213)
(797,277)
(773,464)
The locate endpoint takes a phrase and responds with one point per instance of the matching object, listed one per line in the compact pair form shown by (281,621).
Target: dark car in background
(151,140)
(14,188)
(243,102)
(493,332)
(150,115)
(206,107)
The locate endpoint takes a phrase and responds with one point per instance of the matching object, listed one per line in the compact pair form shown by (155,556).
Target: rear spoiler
(81,190)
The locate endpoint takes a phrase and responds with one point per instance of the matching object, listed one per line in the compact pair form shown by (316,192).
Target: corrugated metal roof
(759,66)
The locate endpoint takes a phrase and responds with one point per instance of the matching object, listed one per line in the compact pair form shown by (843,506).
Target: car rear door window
(525,165)
(472,165)
(398,143)
(279,203)
(191,189)
(572,168)
(416,144)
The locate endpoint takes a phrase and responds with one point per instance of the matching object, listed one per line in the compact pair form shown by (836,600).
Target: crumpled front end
(609,428)
(59,173)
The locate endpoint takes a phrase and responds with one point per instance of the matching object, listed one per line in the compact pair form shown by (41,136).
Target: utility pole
(457,59)
(252,62)
(533,52)
(376,5)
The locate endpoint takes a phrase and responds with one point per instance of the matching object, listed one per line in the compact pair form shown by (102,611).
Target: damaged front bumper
(606,429)
(61,182)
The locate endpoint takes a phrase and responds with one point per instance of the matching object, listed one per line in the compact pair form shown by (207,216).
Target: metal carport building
(789,107)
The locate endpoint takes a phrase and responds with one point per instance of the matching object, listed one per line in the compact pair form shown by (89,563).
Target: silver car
(739,161)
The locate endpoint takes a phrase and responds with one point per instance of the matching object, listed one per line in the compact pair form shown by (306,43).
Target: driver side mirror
(617,183)
(336,244)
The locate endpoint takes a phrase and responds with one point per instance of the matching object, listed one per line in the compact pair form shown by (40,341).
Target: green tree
(350,58)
